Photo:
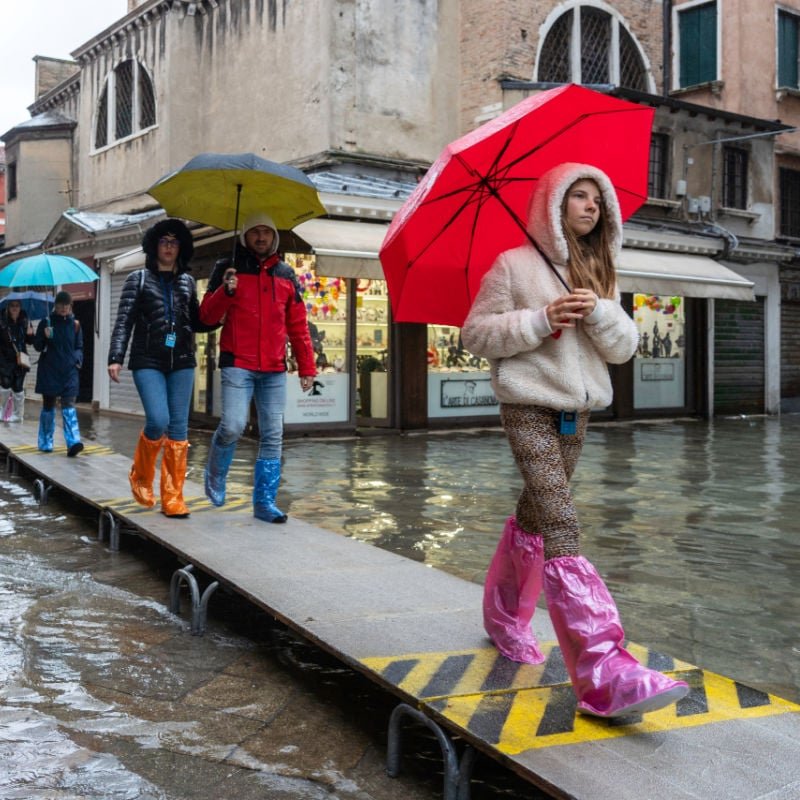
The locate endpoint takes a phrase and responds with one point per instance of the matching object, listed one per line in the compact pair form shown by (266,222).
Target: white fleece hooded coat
(507,323)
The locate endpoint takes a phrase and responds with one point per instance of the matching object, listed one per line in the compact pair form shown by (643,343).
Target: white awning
(657,272)
(127,261)
(344,249)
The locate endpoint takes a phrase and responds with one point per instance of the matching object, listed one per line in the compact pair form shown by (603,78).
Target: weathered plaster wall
(282,79)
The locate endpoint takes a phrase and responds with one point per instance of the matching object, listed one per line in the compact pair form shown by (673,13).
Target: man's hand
(230,281)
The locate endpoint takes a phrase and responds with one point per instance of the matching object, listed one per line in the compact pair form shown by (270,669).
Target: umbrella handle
(236,219)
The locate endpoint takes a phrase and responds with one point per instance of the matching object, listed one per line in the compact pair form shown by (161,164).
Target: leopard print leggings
(546,460)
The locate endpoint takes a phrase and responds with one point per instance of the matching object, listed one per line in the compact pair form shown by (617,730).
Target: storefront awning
(344,249)
(656,272)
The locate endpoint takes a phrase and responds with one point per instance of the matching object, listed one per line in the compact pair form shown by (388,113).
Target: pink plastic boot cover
(607,679)
(512,588)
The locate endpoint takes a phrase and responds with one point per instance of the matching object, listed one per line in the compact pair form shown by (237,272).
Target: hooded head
(545,214)
(253,221)
(164,228)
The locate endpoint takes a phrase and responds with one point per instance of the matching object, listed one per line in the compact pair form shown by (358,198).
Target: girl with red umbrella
(549,320)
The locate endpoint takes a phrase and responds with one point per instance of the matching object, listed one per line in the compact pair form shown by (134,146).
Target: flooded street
(106,695)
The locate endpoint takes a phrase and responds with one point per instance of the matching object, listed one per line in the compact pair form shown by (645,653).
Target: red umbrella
(473,202)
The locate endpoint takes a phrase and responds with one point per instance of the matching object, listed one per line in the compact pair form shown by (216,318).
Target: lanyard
(167,291)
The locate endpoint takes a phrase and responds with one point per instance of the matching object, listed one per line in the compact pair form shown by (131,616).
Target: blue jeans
(171,417)
(239,387)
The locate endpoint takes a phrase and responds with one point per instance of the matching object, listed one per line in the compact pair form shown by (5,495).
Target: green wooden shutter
(787,50)
(697,28)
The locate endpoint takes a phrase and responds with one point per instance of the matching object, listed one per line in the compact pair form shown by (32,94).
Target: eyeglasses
(164,242)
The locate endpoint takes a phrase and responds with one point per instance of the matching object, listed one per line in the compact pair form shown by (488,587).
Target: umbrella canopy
(219,189)
(473,202)
(46,269)
(35,304)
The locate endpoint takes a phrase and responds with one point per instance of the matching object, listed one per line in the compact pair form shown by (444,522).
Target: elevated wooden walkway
(417,632)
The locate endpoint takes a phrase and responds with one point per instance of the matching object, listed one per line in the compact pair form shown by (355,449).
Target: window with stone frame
(657,173)
(735,162)
(127,104)
(588,45)
(789,187)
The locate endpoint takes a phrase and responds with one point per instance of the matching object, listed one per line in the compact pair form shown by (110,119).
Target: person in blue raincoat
(59,339)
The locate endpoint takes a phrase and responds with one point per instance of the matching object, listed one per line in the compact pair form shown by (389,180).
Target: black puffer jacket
(142,310)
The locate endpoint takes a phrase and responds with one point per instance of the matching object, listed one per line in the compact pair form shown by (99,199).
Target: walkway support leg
(113,529)
(456,775)
(41,491)
(199,602)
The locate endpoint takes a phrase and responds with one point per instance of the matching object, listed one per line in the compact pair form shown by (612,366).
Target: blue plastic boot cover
(47,428)
(267,480)
(72,434)
(216,471)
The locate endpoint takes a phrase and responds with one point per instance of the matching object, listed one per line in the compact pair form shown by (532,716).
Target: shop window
(459,384)
(790,202)
(697,38)
(788,50)
(599,46)
(657,175)
(325,300)
(660,362)
(127,104)
(734,177)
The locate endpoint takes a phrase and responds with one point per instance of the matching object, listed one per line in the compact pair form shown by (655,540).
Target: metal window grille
(657,175)
(124,97)
(101,131)
(595,45)
(554,60)
(790,202)
(147,100)
(631,68)
(734,177)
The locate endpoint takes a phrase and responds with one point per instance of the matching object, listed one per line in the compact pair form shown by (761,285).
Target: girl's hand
(113,372)
(589,299)
(563,312)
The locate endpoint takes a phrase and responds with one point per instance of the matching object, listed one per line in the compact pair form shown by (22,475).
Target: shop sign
(467,395)
(326,401)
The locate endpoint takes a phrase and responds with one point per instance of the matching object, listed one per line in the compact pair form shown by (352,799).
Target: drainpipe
(666,56)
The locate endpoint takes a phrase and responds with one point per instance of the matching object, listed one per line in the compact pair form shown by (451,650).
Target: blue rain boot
(216,471)
(72,434)
(47,429)
(267,480)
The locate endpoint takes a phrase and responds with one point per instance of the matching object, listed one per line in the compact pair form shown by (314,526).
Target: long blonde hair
(590,263)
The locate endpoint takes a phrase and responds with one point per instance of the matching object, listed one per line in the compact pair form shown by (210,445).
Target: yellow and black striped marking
(88,449)
(519,707)
(127,505)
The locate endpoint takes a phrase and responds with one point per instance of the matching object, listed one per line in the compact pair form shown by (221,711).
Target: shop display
(446,352)
(661,326)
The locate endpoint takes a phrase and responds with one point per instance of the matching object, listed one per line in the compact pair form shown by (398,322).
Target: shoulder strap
(141,279)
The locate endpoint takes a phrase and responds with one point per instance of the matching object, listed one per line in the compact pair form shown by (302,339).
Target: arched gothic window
(127,104)
(586,44)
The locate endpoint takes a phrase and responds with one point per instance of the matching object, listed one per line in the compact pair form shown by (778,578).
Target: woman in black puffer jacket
(158,314)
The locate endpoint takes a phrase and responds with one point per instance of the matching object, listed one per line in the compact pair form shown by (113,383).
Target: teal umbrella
(46,269)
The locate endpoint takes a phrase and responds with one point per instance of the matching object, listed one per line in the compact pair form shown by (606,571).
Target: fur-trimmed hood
(544,214)
(162,228)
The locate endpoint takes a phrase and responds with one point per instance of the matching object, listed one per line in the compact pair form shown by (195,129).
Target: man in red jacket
(257,298)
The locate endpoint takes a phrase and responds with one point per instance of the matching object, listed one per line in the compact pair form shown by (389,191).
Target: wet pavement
(106,695)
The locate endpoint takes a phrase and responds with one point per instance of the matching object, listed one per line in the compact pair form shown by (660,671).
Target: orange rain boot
(173,475)
(143,471)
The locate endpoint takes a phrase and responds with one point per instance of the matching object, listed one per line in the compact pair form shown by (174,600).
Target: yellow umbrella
(219,189)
